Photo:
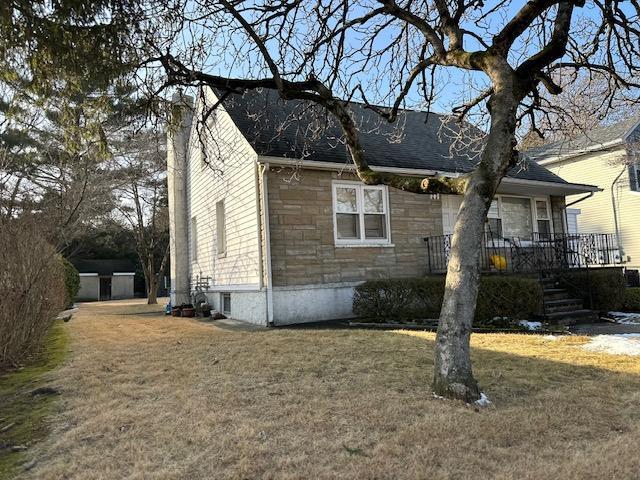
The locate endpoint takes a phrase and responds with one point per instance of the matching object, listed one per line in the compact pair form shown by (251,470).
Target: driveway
(604,328)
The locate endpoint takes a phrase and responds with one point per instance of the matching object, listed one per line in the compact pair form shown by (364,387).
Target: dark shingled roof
(103,266)
(594,139)
(289,129)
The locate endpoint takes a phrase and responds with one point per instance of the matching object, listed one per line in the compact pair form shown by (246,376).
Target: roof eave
(512,185)
(334,166)
(542,187)
(576,153)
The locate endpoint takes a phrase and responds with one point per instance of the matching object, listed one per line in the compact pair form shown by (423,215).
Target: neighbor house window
(221,234)
(194,239)
(518,217)
(361,214)
(634,177)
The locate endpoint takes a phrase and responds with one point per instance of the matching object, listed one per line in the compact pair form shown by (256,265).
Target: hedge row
(606,285)
(71,282)
(632,299)
(421,298)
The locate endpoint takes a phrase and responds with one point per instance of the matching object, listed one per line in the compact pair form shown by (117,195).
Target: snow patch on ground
(551,337)
(530,325)
(626,318)
(483,401)
(621,344)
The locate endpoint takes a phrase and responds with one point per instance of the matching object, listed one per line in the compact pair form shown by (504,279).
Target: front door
(450,207)
(105,288)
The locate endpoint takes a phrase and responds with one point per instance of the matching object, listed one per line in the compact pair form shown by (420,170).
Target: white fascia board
(577,153)
(88,274)
(123,274)
(560,188)
(333,166)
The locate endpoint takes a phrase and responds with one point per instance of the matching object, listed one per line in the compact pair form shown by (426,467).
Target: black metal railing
(538,252)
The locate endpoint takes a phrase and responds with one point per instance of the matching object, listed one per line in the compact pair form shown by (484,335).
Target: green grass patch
(21,408)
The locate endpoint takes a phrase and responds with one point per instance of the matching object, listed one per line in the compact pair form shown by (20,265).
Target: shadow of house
(105,279)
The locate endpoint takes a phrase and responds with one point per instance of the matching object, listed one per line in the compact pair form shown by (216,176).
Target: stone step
(563,305)
(551,294)
(573,317)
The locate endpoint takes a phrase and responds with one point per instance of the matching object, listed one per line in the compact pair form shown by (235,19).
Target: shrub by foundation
(632,299)
(606,285)
(404,300)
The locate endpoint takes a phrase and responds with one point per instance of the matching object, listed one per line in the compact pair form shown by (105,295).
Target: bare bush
(31,289)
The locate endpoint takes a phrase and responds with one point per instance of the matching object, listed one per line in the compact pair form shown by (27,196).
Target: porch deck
(541,252)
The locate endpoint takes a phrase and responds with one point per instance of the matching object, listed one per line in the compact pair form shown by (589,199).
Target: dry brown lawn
(154,397)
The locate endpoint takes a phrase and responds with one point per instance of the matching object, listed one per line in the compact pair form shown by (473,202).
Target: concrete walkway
(604,328)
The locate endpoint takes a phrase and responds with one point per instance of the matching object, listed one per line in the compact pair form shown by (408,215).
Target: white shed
(105,279)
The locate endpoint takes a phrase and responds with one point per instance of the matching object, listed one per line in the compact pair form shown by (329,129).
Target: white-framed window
(494,221)
(225,303)
(360,214)
(518,217)
(221,234)
(543,217)
(634,177)
(194,239)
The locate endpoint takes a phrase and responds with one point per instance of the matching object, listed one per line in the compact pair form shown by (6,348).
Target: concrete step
(573,317)
(563,305)
(551,294)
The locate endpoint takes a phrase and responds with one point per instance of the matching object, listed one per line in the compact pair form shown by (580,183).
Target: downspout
(565,222)
(258,204)
(267,241)
(615,214)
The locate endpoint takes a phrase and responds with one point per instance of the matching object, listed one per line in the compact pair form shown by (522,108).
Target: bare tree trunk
(453,376)
(152,294)
(152,279)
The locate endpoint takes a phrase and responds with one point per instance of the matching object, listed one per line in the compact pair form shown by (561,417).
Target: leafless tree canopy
(397,54)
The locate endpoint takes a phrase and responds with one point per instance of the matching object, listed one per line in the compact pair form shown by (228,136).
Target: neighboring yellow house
(608,157)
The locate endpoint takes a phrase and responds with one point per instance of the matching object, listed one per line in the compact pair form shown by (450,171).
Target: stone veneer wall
(302,242)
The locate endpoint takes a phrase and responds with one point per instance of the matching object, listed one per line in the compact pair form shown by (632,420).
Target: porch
(535,253)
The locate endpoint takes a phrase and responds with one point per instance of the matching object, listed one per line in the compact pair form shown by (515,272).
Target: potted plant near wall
(187,310)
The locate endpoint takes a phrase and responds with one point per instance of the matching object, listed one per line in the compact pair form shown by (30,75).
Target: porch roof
(519,186)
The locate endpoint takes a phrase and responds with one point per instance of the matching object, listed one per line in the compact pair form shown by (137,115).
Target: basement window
(225,303)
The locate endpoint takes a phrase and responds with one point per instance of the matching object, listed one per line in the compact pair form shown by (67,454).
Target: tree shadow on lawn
(558,411)
(512,369)
(328,403)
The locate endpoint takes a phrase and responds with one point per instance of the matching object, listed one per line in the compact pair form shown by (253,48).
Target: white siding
(229,175)
(601,169)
